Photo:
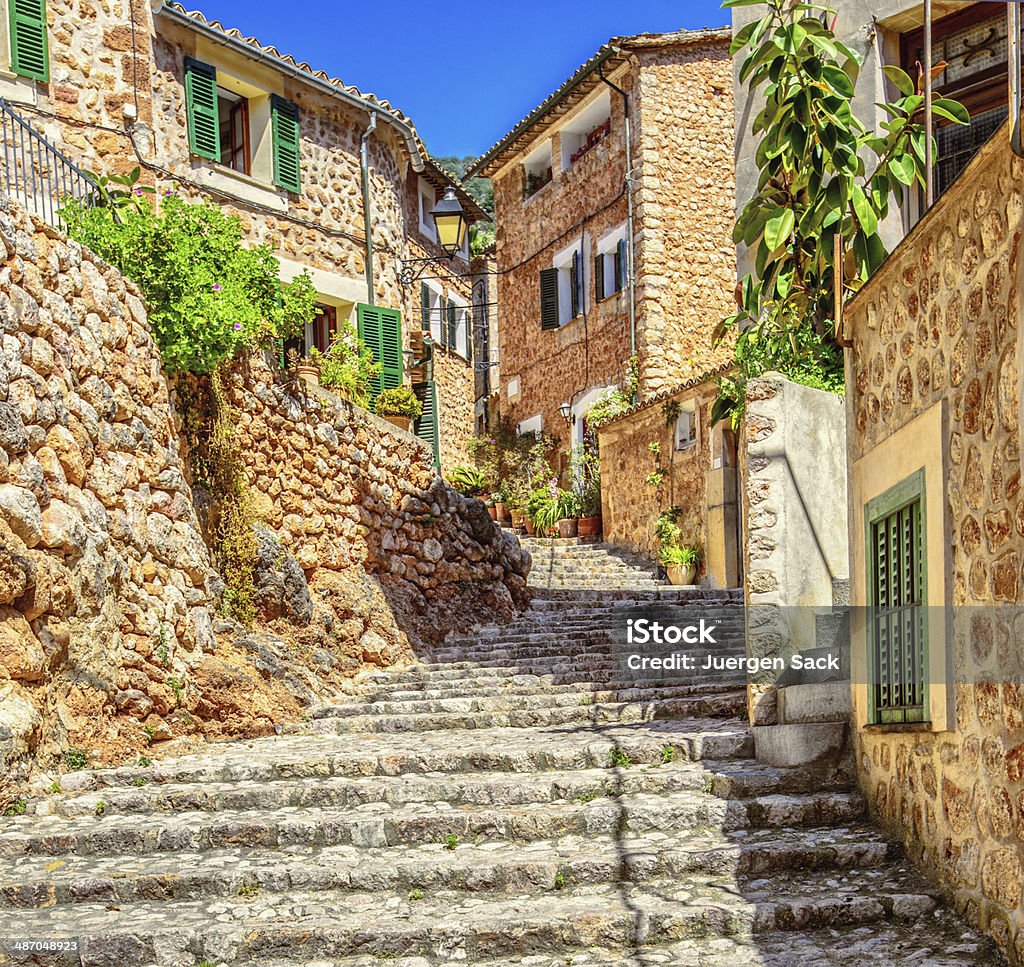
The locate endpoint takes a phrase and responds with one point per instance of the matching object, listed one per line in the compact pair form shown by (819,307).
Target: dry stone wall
(940,322)
(110,637)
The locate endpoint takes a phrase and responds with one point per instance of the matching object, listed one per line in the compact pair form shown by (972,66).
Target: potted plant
(537,512)
(499,505)
(307,368)
(492,510)
(586,474)
(681,563)
(399,406)
(568,511)
(468,480)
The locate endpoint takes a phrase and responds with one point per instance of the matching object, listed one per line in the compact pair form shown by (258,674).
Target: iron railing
(35,172)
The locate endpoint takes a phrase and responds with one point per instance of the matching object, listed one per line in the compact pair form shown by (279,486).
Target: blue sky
(466,73)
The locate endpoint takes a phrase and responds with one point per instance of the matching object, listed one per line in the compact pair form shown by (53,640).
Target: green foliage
(119,190)
(549,505)
(585,471)
(618,759)
(822,175)
(468,481)
(610,403)
(685,555)
(400,401)
(481,238)
(668,754)
(666,528)
(512,464)
(17,808)
(76,759)
(101,808)
(348,367)
(211,297)
(451,841)
(479,189)
(174,684)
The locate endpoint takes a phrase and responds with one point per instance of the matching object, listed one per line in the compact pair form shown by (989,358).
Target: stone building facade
(699,467)
(574,215)
(116,95)
(933,419)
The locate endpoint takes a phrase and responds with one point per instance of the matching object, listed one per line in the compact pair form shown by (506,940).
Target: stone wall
(630,506)
(935,346)
(104,581)
(793,481)
(110,637)
(685,210)
(395,557)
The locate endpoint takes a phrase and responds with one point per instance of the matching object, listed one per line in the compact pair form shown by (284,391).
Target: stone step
(518,715)
(494,868)
(608,676)
(376,825)
(495,750)
(823,702)
(451,926)
(549,664)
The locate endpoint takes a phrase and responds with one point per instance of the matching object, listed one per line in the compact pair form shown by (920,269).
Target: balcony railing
(35,172)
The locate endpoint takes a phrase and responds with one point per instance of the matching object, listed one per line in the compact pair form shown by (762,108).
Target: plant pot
(503,512)
(589,526)
(402,422)
(518,518)
(531,528)
(310,375)
(680,575)
(493,512)
(568,527)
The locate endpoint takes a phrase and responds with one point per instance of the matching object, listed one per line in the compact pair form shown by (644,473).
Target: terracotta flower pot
(589,526)
(503,514)
(568,527)
(310,375)
(518,518)
(493,512)
(531,528)
(680,575)
(402,422)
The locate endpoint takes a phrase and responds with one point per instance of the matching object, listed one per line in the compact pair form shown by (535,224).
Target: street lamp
(566,410)
(450,221)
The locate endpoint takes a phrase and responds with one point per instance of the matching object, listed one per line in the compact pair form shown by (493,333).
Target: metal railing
(35,172)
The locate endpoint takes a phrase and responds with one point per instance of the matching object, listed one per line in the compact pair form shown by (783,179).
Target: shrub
(610,403)
(468,481)
(555,505)
(400,401)
(347,368)
(686,555)
(585,469)
(210,296)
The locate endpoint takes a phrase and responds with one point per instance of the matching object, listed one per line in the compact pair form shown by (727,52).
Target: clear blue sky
(465,73)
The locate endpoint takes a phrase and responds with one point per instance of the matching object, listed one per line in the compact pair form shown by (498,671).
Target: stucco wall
(935,365)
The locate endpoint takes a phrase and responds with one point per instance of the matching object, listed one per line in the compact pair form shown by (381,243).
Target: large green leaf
(779,227)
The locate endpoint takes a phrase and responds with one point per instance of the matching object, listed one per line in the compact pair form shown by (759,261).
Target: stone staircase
(517,798)
(586,563)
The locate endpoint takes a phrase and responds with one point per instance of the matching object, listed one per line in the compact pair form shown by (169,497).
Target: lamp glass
(566,410)
(450,222)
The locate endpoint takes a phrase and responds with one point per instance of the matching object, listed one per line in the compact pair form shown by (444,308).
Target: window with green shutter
(201,107)
(549,298)
(285,123)
(381,330)
(30,53)
(598,277)
(575,283)
(453,325)
(620,265)
(426,427)
(425,307)
(897,603)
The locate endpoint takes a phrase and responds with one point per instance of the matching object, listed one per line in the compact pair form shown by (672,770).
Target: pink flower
(238,327)
(138,191)
(216,287)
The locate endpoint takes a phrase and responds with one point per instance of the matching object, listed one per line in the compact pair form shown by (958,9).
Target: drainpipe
(367,227)
(1013,15)
(629,208)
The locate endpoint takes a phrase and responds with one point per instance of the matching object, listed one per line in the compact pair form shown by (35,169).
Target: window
(570,285)
(586,130)
(242,128)
(458,327)
(973,45)
(686,426)
(896,597)
(432,311)
(325,326)
(233,112)
(610,264)
(28,43)
(534,425)
(381,330)
(537,169)
(428,201)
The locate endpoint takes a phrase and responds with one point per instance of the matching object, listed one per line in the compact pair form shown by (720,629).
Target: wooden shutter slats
(285,123)
(381,330)
(426,426)
(549,298)
(30,51)
(202,109)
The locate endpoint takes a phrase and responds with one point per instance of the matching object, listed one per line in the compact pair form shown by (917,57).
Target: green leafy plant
(211,296)
(76,759)
(54,787)
(347,368)
(467,480)
(556,504)
(686,555)
(415,895)
(144,762)
(618,759)
(119,190)
(666,527)
(823,175)
(400,401)
(668,754)
(559,881)
(585,471)
(174,684)
(451,841)
(17,808)
(101,808)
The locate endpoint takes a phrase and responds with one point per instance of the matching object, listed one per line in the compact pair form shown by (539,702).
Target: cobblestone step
(377,825)
(442,926)
(547,865)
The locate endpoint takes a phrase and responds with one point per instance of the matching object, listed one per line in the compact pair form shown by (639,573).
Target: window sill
(17,89)
(237,185)
(882,728)
(540,191)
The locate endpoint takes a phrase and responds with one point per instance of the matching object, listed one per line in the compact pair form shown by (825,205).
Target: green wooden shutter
(574,283)
(285,122)
(598,278)
(549,298)
(425,306)
(470,333)
(620,265)
(201,106)
(381,330)
(30,52)
(453,328)
(426,427)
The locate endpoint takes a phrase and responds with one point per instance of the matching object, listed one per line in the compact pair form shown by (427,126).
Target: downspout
(367,225)
(629,207)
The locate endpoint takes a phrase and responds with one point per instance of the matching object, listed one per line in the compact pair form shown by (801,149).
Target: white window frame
(563,262)
(606,246)
(579,411)
(461,325)
(427,203)
(534,424)
(435,320)
(573,132)
(686,433)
